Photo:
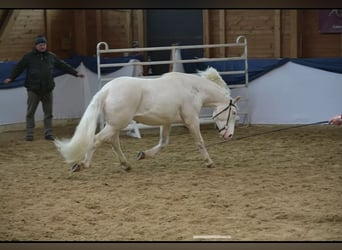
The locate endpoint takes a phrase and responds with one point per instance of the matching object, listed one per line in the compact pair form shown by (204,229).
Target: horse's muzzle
(226,133)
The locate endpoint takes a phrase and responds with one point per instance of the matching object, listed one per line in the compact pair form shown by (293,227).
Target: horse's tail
(74,149)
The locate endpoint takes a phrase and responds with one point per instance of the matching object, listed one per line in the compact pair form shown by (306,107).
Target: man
(39,83)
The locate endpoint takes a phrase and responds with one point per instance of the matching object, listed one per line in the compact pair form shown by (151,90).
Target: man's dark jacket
(40,67)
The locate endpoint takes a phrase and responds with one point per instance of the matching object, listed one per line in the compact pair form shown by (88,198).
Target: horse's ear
(236,99)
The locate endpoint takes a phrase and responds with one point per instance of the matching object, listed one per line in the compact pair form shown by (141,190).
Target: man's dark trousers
(33,100)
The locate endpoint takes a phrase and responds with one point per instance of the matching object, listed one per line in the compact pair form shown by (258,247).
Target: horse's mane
(212,75)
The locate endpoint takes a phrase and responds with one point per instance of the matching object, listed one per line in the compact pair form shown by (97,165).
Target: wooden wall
(256,25)
(315,44)
(271,33)
(18,31)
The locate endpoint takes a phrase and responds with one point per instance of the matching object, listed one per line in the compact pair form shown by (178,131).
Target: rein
(281,129)
(271,131)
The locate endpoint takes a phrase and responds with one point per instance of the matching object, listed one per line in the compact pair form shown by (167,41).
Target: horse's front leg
(194,129)
(163,142)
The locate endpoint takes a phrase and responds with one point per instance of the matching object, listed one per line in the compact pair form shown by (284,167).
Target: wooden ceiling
(3,15)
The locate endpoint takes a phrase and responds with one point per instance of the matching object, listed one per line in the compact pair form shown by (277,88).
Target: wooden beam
(277,33)
(7,25)
(206,32)
(140,27)
(222,32)
(294,40)
(48,25)
(98,23)
(80,32)
(129,29)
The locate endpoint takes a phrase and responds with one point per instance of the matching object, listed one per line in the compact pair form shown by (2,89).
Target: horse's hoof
(140,155)
(127,168)
(76,168)
(210,165)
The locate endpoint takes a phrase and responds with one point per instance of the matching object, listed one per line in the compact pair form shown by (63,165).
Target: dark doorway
(165,27)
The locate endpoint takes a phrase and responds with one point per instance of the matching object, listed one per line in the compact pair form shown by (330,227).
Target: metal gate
(175,64)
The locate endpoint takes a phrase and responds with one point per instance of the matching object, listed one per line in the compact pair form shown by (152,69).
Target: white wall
(295,94)
(71,96)
(291,94)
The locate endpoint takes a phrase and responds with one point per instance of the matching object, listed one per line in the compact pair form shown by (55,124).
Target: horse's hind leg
(163,141)
(106,133)
(117,149)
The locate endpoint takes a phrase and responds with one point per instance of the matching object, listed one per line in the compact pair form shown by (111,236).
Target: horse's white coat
(172,98)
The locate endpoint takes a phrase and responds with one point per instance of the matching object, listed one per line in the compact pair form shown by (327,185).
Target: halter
(230,105)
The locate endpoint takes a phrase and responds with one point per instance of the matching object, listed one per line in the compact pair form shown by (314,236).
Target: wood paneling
(271,33)
(80,32)
(19,33)
(277,34)
(60,31)
(116,30)
(315,44)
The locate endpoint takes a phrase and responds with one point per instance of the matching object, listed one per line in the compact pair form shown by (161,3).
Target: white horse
(172,98)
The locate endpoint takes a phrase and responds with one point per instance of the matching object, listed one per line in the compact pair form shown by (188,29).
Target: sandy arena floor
(284,185)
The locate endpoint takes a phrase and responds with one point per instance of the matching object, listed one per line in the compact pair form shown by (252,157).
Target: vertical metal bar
(99,78)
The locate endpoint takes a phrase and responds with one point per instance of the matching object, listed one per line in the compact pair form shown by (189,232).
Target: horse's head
(225,117)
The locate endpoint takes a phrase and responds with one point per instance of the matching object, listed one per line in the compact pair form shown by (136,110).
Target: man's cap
(40,39)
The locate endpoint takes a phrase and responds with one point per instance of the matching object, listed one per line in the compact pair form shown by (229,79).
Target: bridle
(230,105)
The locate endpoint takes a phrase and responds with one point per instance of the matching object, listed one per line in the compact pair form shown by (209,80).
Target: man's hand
(8,80)
(336,120)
